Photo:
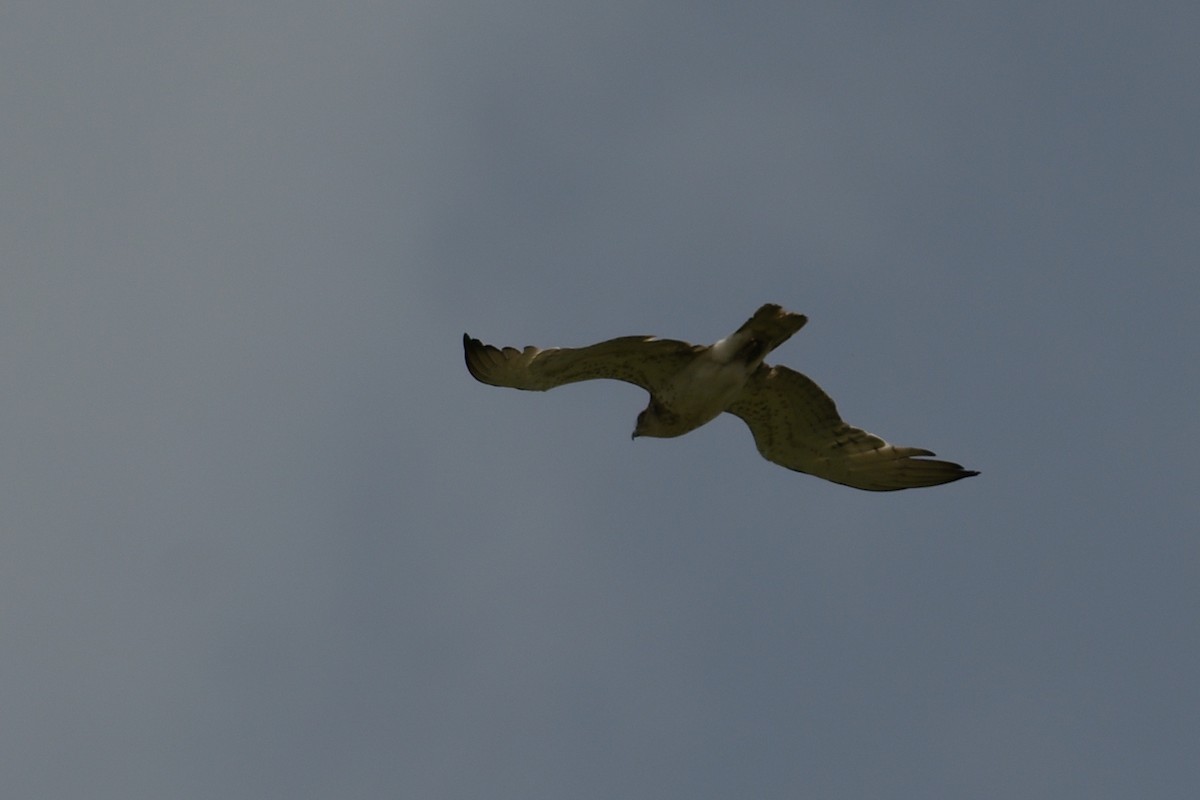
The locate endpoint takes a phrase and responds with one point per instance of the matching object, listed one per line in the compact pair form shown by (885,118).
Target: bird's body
(712,378)
(793,422)
(697,394)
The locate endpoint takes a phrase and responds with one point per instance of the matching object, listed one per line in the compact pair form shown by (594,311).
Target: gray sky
(263,536)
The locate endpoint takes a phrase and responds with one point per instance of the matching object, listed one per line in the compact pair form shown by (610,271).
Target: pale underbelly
(701,393)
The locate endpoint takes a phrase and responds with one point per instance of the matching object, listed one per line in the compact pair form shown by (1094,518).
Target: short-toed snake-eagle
(794,423)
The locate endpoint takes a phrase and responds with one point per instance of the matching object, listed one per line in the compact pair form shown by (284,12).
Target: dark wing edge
(641,360)
(796,425)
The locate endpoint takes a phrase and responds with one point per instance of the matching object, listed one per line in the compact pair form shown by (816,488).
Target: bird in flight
(794,423)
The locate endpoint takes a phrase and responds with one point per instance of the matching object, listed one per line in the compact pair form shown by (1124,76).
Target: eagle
(794,423)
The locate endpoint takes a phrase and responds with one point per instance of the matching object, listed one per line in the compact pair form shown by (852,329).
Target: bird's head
(658,422)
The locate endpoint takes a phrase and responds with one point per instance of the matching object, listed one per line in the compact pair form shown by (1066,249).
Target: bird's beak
(633,436)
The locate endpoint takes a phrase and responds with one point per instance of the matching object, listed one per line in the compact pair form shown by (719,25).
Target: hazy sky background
(263,536)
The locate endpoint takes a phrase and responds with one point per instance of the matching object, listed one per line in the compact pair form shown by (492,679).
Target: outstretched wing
(641,360)
(796,425)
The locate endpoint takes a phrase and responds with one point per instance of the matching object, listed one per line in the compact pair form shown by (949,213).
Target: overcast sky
(263,536)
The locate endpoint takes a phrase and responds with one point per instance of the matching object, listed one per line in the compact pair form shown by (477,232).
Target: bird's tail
(770,327)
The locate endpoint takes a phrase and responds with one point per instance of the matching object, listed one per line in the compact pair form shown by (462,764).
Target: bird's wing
(796,425)
(641,360)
